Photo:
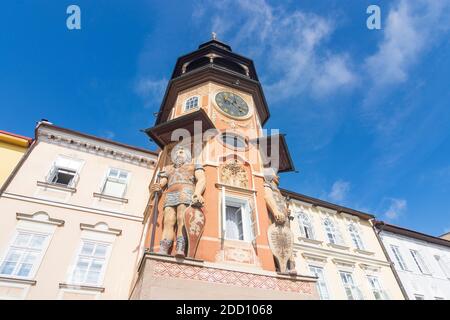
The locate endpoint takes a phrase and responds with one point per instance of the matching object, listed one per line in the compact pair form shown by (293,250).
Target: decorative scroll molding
(241,279)
(40,217)
(314,257)
(344,263)
(100,227)
(369,253)
(234,174)
(370,268)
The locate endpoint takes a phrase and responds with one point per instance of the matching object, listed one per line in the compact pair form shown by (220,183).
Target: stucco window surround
(114,185)
(27,250)
(306,227)
(94,251)
(332,232)
(233,140)
(63,174)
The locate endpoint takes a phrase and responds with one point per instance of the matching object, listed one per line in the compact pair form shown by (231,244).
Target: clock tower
(217,225)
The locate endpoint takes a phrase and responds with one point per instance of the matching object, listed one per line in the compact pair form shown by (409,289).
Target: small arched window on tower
(191,103)
(234,141)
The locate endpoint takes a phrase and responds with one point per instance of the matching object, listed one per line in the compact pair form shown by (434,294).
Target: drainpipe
(396,276)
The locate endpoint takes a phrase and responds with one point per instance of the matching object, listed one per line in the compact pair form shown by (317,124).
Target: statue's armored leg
(168,230)
(181,241)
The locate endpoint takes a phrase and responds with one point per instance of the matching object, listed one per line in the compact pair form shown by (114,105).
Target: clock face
(232,104)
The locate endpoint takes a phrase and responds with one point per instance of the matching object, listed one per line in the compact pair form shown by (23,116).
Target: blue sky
(366,112)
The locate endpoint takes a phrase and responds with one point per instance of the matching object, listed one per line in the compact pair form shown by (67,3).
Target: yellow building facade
(12,148)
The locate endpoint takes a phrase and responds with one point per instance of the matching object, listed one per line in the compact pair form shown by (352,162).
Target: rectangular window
(64,172)
(115,183)
(306,229)
(237,219)
(24,254)
(355,236)
(321,284)
(398,257)
(352,292)
(419,261)
(90,263)
(377,290)
(444,266)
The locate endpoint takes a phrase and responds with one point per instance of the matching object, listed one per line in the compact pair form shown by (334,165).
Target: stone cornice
(338,254)
(100,148)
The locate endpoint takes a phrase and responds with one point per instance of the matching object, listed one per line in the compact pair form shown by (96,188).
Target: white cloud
(292,41)
(410,28)
(339,190)
(151,91)
(396,208)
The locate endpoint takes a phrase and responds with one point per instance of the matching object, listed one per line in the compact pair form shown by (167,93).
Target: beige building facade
(340,247)
(72,218)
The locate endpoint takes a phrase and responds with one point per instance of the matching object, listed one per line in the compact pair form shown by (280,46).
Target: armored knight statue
(184,184)
(280,235)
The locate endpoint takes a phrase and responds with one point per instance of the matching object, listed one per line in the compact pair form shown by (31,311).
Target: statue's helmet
(180,154)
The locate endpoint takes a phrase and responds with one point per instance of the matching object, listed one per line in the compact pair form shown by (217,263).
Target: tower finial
(214,35)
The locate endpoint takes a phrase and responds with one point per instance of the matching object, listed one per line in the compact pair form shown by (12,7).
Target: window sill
(107,197)
(338,246)
(313,241)
(56,186)
(18,280)
(80,287)
(369,253)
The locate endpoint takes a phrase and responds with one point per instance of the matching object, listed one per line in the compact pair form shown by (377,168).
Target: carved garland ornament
(234,174)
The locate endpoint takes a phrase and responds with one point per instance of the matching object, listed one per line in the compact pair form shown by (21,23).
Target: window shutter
(74,181)
(301,224)
(254,221)
(51,173)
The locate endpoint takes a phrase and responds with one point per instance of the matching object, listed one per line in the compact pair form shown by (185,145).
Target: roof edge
(326,204)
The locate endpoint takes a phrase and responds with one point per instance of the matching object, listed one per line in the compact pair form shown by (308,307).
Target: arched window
(304,222)
(191,103)
(234,141)
(355,236)
(331,231)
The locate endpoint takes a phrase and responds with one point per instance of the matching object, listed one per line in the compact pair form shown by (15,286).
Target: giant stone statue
(183,183)
(281,238)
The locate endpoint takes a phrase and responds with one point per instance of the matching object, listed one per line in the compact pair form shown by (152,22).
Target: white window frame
(55,167)
(185,103)
(104,266)
(354,290)
(399,258)
(334,231)
(376,288)
(236,137)
(420,263)
(29,226)
(323,281)
(355,236)
(247,228)
(443,265)
(107,177)
(305,224)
